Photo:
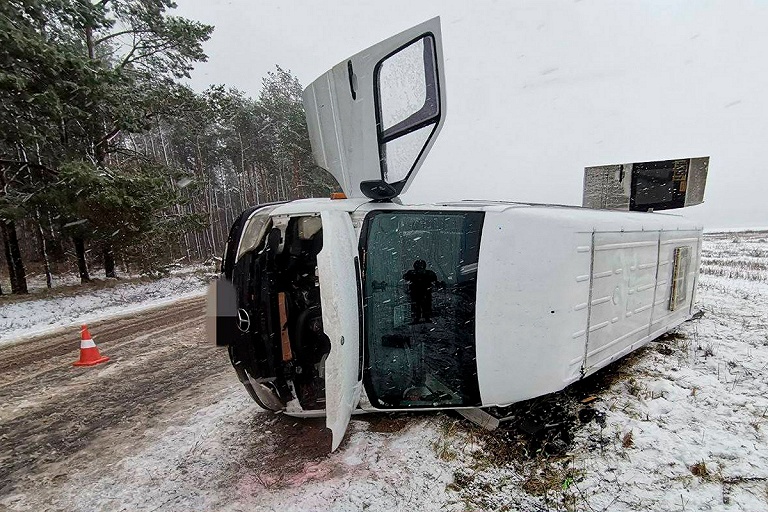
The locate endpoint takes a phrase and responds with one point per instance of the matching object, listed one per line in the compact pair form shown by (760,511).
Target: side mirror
(378,190)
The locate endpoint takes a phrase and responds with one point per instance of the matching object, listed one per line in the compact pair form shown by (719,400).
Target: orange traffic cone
(89,354)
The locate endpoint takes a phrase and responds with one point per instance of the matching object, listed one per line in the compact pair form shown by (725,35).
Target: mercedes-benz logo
(243,320)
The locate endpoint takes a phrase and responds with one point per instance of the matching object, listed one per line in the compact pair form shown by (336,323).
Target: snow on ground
(38,316)
(685,427)
(36,281)
(374,471)
(738,256)
(233,456)
(697,418)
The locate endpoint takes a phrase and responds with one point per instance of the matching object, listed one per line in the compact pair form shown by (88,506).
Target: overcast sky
(538,90)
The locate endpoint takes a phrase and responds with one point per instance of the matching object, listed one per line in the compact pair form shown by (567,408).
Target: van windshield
(420,283)
(255,230)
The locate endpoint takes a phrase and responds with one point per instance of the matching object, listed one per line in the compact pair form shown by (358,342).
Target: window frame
(373,398)
(678,293)
(435,120)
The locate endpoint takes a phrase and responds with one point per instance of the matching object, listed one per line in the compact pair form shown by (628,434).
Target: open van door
(644,186)
(374,117)
(338,271)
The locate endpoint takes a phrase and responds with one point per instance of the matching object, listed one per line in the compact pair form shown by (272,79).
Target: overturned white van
(332,307)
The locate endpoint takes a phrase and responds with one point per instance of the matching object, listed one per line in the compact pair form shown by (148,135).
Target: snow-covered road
(166,425)
(37,316)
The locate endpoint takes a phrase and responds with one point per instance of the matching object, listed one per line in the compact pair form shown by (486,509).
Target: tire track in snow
(52,411)
(15,357)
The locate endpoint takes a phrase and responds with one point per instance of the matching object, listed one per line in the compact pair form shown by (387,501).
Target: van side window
(680,270)
(420,284)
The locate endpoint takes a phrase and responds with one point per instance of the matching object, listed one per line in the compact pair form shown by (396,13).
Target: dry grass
(736,273)
(444,449)
(736,256)
(700,470)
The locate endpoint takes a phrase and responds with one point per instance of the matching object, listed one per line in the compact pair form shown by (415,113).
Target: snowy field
(684,424)
(73,306)
(681,425)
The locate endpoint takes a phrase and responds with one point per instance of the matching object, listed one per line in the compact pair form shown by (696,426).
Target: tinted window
(659,185)
(420,287)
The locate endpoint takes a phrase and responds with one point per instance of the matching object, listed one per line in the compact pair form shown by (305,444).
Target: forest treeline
(108,159)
